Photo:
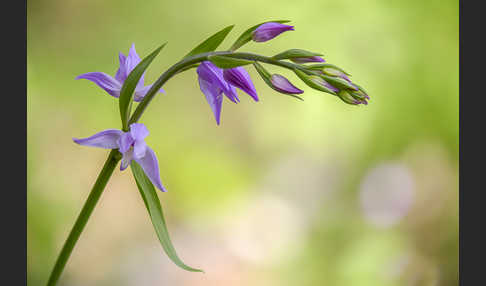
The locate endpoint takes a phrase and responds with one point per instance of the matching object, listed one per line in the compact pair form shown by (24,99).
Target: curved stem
(84,215)
(185,63)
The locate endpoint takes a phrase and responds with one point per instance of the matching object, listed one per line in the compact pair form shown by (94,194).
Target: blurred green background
(283,192)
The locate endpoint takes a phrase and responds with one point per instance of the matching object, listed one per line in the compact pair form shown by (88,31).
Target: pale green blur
(272,196)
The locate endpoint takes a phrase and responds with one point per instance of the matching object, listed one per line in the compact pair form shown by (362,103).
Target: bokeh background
(283,192)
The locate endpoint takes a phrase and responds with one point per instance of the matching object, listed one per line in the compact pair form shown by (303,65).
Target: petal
(106,139)
(269,31)
(125,142)
(283,85)
(139,149)
(138,131)
(142,91)
(213,96)
(240,78)
(121,73)
(150,166)
(131,62)
(214,75)
(126,159)
(103,80)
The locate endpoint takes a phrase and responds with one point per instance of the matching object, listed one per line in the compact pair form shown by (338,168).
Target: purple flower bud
(350,99)
(269,31)
(240,78)
(308,60)
(283,85)
(336,73)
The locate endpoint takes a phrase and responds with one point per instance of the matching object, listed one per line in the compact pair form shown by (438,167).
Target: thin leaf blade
(211,43)
(154,209)
(245,37)
(228,62)
(128,88)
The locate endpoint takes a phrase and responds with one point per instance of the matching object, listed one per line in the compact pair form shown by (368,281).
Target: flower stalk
(219,72)
(95,194)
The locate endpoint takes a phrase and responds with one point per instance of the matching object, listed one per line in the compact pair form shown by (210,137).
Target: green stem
(185,63)
(114,155)
(83,217)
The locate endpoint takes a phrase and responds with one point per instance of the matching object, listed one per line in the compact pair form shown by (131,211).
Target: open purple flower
(131,145)
(269,31)
(213,82)
(113,85)
(283,85)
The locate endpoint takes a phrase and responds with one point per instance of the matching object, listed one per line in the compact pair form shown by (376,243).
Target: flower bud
(269,31)
(316,82)
(299,56)
(347,97)
(277,82)
(283,85)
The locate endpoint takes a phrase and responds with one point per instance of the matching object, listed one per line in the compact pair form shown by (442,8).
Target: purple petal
(283,85)
(214,76)
(142,91)
(121,73)
(139,149)
(125,142)
(138,131)
(269,31)
(150,166)
(213,96)
(126,159)
(106,139)
(240,78)
(103,80)
(308,60)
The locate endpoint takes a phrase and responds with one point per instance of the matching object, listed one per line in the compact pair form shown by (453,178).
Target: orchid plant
(219,72)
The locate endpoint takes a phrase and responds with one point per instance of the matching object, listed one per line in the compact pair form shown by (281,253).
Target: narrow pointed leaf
(295,53)
(212,43)
(265,75)
(126,93)
(322,66)
(154,208)
(228,62)
(245,37)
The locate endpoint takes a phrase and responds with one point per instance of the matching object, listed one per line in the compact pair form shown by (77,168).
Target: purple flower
(132,146)
(304,60)
(240,78)
(283,85)
(114,85)
(269,31)
(213,82)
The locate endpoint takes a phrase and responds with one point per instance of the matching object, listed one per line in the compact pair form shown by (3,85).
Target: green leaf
(126,93)
(246,35)
(323,66)
(266,76)
(295,53)
(154,208)
(228,62)
(212,43)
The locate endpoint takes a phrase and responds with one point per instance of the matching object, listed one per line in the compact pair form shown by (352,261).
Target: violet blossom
(131,145)
(213,82)
(283,85)
(269,31)
(113,85)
